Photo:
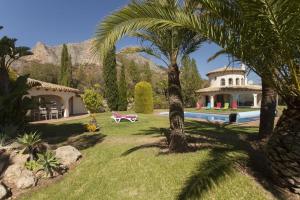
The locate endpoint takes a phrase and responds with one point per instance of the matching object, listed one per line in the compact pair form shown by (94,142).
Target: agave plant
(48,163)
(30,142)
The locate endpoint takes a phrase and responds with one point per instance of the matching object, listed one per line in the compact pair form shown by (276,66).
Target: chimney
(243,66)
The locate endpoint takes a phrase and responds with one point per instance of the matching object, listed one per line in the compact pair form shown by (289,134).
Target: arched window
(230,81)
(237,81)
(223,82)
(243,82)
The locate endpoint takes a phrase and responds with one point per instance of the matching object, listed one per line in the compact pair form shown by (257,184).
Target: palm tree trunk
(283,148)
(267,110)
(4,81)
(178,141)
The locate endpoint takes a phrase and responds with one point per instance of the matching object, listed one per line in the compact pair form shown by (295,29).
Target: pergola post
(212,101)
(255,100)
(66,107)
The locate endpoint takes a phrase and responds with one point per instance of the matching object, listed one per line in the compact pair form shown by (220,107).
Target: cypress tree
(122,90)
(147,73)
(190,81)
(110,80)
(66,67)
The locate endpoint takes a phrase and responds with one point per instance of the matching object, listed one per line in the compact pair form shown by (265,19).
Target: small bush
(143,98)
(91,127)
(93,101)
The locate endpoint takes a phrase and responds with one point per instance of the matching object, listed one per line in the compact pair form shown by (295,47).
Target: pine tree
(110,80)
(122,90)
(66,67)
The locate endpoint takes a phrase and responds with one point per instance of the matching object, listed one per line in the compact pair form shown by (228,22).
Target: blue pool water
(220,118)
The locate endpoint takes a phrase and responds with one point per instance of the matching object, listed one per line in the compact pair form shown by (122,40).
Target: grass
(126,161)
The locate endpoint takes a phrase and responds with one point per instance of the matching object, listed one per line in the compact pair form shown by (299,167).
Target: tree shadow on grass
(67,134)
(222,140)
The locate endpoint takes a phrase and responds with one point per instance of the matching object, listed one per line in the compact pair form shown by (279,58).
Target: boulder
(67,155)
(26,180)
(3,191)
(19,159)
(19,176)
(4,161)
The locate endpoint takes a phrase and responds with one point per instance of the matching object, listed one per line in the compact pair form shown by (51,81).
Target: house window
(237,81)
(230,81)
(222,81)
(243,82)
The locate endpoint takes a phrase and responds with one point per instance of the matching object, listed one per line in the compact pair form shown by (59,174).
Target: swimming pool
(241,117)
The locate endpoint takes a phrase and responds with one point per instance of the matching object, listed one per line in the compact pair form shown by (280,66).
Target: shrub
(160,102)
(93,125)
(93,100)
(143,98)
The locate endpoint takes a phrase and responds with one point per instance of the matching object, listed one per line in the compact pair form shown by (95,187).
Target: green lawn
(126,161)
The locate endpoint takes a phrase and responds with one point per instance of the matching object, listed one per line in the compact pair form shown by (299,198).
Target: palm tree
(264,34)
(171,46)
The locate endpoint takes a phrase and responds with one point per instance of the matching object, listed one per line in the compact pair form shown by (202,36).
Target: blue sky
(62,21)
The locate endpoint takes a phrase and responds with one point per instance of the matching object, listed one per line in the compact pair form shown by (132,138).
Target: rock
(19,159)
(18,176)
(4,161)
(3,191)
(67,155)
(26,180)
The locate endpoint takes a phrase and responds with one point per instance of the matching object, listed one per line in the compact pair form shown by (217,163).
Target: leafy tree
(143,98)
(170,45)
(122,90)
(43,72)
(9,53)
(66,67)
(191,81)
(93,100)
(110,80)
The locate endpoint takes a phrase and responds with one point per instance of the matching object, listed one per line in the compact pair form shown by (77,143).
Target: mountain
(81,55)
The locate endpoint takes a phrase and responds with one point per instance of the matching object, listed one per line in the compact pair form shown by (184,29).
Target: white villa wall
(79,107)
(215,80)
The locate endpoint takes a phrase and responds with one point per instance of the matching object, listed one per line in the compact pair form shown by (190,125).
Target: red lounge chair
(199,105)
(219,104)
(234,105)
(118,117)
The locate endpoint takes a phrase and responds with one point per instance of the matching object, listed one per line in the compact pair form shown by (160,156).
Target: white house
(228,84)
(65,99)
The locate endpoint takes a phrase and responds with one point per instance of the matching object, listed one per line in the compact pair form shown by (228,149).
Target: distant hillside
(81,55)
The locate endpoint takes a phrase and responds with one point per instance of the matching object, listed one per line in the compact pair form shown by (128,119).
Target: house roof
(227,69)
(231,88)
(51,86)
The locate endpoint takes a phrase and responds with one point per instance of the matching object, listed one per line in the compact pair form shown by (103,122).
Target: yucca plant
(48,163)
(30,142)
(264,34)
